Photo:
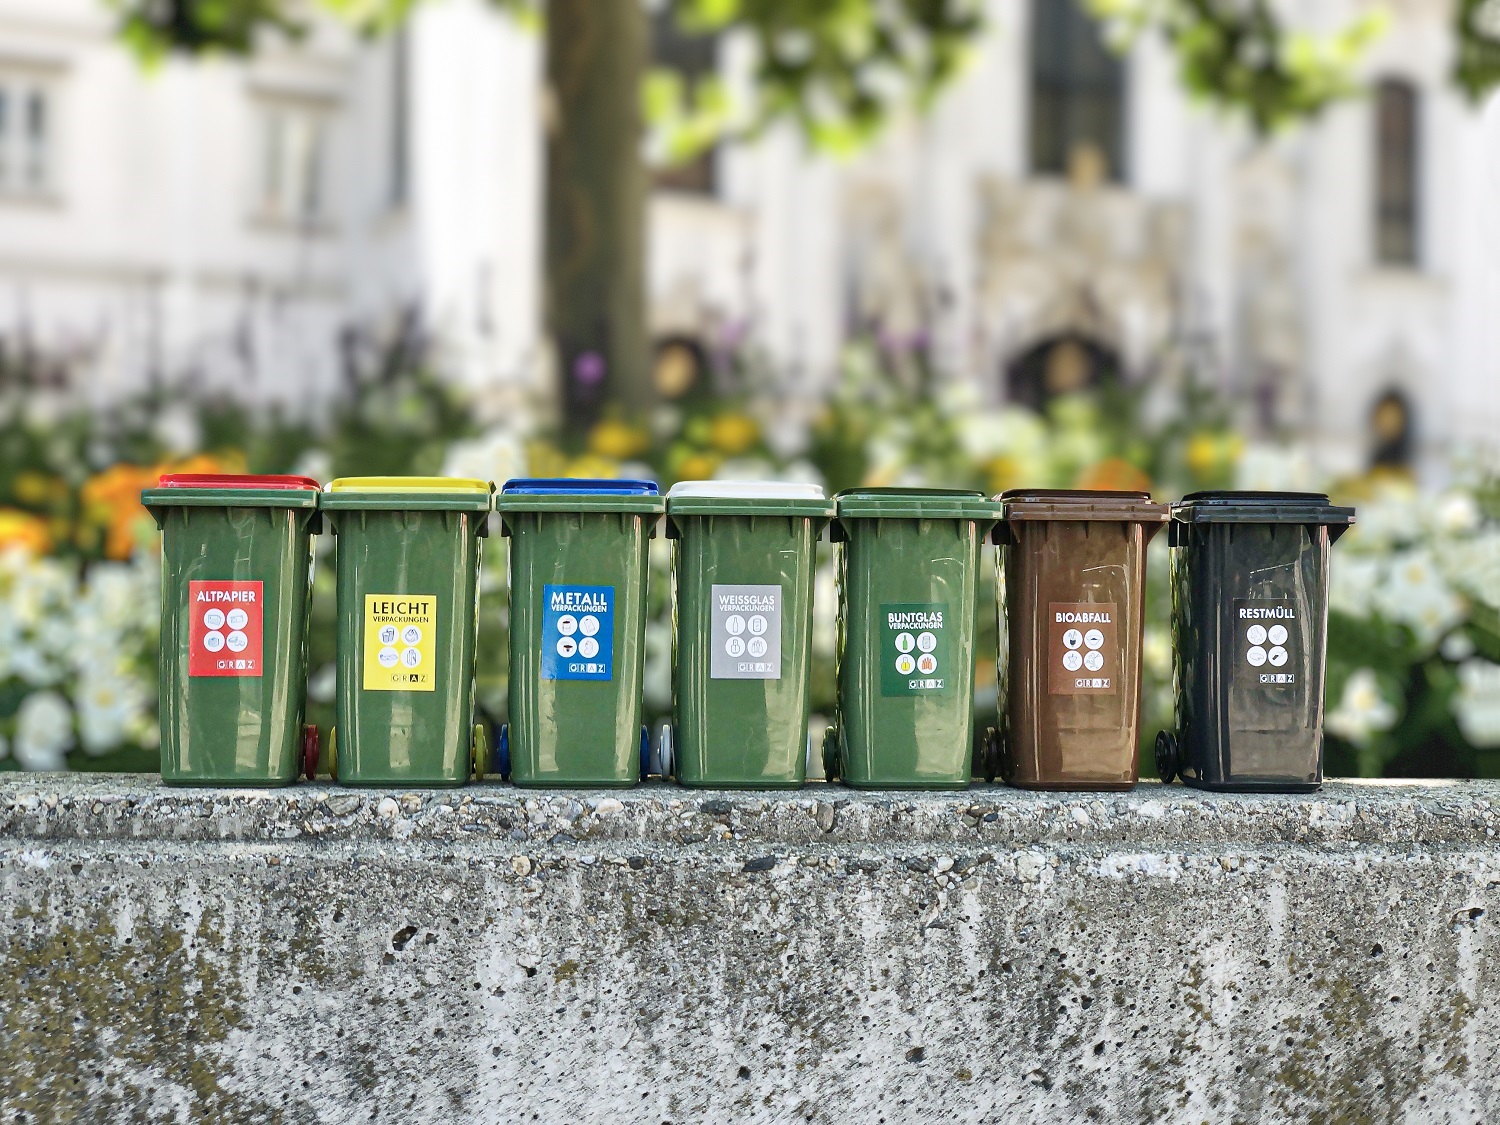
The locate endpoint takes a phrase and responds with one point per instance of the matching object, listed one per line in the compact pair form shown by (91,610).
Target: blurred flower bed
(1414,637)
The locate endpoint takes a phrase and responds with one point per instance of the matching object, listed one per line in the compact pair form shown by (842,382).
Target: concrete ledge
(487,954)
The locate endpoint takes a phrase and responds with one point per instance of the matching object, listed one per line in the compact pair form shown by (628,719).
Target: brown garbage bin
(1071,588)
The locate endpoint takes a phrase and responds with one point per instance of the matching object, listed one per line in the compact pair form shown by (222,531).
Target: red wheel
(310,752)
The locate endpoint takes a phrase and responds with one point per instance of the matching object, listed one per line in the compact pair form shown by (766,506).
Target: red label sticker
(225,628)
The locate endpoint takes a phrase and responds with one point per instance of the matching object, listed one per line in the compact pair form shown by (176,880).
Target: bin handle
(1174,534)
(1001,536)
(1335,530)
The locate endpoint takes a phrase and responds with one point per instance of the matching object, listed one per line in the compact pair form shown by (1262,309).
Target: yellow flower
(1002,473)
(1114,474)
(39,489)
(1201,453)
(733,434)
(592,467)
(619,440)
(697,466)
(23,530)
(544,460)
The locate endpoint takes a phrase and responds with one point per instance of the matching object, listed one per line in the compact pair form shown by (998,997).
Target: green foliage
(838,68)
(1237,54)
(1476,66)
(152,28)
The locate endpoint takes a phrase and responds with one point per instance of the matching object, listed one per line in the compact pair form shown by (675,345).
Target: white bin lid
(746,490)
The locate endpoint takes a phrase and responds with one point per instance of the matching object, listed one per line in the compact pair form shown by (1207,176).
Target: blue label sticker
(578,632)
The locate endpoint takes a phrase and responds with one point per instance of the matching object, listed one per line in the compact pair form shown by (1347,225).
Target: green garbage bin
(236,575)
(1071,590)
(408,588)
(908,576)
(742,570)
(578,573)
(1250,639)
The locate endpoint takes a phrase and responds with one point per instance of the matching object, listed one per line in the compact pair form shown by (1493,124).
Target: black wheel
(1166,755)
(990,750)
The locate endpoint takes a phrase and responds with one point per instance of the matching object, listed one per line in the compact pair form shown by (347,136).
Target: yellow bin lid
(410,484)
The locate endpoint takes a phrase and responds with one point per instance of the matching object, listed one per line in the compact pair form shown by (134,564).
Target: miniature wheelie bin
(1071,586)
(408,587)
(743,567)
(578,573)
(908,577)
(236,580)
(1250,635)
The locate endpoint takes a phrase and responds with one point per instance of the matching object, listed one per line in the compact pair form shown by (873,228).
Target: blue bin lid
(553,486)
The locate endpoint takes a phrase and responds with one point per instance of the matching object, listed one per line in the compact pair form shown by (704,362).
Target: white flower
(1457,646)
(498,456)
(1414,594)
(1476,706)
(44,731)
(1352,582)
(1275,468)
(322,685)
(1363,711)
(1472,564)
(110,706)
(1455,513)
(34,666)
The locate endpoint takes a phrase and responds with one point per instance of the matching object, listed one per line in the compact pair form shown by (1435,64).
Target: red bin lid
(236,480)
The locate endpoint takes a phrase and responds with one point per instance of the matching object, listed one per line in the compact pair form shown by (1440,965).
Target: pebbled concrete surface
(487,954)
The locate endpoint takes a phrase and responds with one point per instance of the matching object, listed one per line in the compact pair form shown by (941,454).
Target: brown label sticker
(1083,654)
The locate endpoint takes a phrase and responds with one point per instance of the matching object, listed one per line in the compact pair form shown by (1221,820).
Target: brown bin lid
(1082,504)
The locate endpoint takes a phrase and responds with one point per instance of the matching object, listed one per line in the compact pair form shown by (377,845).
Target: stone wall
(318,954)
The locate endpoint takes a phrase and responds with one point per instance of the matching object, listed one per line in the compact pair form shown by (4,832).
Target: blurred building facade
(1065,216)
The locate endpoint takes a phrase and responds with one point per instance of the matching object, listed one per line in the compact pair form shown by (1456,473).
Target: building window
(1391,430)
(692,57)
(28,130)
(293,135)
(1396,168)
(1077,94)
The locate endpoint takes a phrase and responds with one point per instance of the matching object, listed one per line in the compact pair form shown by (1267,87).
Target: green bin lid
(1261,507)
(424,494)
(748,498)
(916,503)
(1077,504)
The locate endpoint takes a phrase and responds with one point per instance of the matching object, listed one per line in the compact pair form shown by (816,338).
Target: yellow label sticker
(400,640)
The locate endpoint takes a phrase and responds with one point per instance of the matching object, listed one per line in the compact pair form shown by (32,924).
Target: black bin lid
(1229,506)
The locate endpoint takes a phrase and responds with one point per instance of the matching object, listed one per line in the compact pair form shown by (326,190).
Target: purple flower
(588,369)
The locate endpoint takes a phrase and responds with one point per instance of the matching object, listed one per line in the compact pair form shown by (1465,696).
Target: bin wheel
(502,752)
(991,754)
(1166,755)
(645,752)
(480,750)
(310,752)
(831,753)
(666,753)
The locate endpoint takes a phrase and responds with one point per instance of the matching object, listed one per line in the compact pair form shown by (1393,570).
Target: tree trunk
(596,207)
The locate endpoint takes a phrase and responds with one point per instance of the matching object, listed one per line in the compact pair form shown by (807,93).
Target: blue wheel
(502,752)
(645,753)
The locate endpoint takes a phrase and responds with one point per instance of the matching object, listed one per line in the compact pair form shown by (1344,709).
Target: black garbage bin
(1249,639)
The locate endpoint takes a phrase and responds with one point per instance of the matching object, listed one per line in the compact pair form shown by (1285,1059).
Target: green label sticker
(914,656)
